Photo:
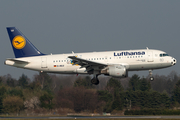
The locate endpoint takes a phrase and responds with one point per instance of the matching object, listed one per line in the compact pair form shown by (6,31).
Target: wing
(89,65)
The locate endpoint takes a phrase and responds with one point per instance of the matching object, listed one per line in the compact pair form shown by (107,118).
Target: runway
(97,117)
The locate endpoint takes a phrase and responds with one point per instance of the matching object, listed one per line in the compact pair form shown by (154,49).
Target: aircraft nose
(173,61)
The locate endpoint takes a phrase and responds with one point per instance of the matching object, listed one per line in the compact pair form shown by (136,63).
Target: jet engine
(116,71)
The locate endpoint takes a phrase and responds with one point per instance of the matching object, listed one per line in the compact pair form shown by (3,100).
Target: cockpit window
(163,55)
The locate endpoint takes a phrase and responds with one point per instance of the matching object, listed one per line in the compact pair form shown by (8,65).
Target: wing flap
(89,65)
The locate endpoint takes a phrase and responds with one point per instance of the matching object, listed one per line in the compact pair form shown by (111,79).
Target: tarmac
(96,117)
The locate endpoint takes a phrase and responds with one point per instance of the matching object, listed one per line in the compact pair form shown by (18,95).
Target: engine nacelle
(117,71)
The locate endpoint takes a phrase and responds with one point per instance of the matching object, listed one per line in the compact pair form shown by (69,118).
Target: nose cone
(173,61)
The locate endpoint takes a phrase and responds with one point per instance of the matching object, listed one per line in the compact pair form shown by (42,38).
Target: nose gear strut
(151,78)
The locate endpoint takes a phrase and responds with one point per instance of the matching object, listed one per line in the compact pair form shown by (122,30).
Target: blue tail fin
(22,47)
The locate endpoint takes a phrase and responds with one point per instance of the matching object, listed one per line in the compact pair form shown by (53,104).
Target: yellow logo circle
(19,42)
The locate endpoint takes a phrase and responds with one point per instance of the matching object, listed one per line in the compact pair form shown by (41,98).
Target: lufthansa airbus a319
(111,63)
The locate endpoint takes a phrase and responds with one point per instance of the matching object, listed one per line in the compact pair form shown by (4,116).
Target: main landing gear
(95,80)
(151,78)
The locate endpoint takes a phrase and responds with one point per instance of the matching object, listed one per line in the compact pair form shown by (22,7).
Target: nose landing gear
(151,78)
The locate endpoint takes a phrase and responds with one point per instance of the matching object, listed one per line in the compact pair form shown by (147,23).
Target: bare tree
(32,104)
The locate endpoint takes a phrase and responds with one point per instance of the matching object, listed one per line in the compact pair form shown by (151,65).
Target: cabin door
(43,62)
(150,56)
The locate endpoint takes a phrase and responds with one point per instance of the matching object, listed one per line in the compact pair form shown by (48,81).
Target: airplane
(110,63)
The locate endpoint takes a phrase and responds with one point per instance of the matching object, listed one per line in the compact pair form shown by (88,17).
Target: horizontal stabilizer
(18,61)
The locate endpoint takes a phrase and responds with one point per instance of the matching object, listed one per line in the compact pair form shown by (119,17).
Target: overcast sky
(62,26)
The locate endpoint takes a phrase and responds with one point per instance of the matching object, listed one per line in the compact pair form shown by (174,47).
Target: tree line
(69,94)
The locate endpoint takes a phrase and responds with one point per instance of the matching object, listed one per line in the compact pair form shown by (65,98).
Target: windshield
(163,55)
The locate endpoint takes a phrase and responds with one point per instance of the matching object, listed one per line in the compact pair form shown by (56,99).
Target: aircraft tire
(95,81)
(151,78)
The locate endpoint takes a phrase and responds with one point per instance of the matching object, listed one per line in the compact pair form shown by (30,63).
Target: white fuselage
(142,59)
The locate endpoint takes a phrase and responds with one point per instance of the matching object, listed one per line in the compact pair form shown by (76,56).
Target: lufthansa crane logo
(19,42)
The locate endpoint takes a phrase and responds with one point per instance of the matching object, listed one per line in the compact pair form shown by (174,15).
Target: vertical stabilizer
(22,47)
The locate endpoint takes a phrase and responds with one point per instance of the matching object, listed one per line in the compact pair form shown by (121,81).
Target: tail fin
(22,47)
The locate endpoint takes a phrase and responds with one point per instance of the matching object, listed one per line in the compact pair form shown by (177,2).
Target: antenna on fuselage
(147,48)
(72,52)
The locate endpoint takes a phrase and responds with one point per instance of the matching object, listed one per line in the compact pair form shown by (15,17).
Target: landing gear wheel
(151,78)
(95,81)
